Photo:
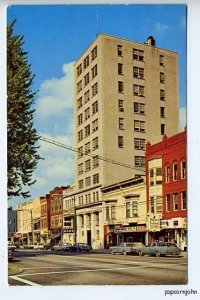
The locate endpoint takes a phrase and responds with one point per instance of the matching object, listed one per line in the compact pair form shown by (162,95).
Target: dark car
(81,247)
(10,254)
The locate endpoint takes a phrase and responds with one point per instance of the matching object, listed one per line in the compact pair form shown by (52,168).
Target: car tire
(124,252)
(157,254)
(140,253)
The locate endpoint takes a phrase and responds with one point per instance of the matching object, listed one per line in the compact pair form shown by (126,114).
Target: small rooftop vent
(151,41)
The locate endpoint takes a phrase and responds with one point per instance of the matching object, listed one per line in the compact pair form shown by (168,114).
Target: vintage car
(10,254)
(160,249)
(38,247)
(127,248)
(62,247)
(81,247)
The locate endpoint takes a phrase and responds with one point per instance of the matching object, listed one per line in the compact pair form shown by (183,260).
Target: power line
(58,144)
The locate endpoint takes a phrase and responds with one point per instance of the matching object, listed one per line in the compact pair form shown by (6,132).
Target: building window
(162,94)
(152,208)
(135,208)
(67,222)
(151,177)
(113,212)
(139,108)
(121,123)
(138,54)
(80,135)
(80,119)
(80,184)
(97,196)
(95,162)
(128,209)
(86,62)
(95,107)
(161,60)
(79,102)
(94,89)
(138,90)
(87,165)
(162,112)
(175,201)
(139,126)
(87,96)
(95,178)
(120,69)
(86,79)
(94,71)
(107,212)
(158,175)
(139,161)
(87,113)
(183,200)
(87,148)
(175,171)
(162,129)
(120,86)
(120,141)
(94,53)
(79,70)
(183,170)
(88,181)
(167,174)
(159,205)
(162,77)
(138,72)
(79,86)
(95,125)
(87,130)
(121,105)
(139,144)
(80,169)
(80,152)
(95,143)
(119,50)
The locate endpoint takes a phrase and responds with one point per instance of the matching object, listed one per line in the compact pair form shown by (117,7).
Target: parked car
(81,247)
(10,254)
(160,249)
(38,247)
(11,246)
(127,248)
(62,247)
(48,246)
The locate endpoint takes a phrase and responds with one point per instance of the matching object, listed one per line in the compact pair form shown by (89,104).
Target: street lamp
(31,212)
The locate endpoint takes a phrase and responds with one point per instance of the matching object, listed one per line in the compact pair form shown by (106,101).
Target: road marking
(24,281)
(93,270)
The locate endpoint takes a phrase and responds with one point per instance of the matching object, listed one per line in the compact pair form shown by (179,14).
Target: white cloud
(56,94)
(182,118)
(160,28)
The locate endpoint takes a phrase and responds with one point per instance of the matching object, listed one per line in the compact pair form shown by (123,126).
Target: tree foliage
(22,136)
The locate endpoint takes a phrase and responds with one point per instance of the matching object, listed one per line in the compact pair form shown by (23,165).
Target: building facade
(24,223)
(12,224)
(124,206)
(45,219)
(166,190)
(121,88)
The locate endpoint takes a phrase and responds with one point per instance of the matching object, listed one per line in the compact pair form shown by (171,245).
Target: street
(65,268)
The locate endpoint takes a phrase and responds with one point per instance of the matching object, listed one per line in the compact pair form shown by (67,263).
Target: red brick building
(166,189)
(56,214)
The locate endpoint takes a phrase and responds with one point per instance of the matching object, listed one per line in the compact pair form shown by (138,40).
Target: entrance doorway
(89,237)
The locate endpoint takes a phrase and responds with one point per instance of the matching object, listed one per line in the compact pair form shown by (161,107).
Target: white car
(38,247)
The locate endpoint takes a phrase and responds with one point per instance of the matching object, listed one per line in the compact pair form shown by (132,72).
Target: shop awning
(54,236)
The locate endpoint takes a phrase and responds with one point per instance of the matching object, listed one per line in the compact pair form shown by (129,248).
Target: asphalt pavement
(49,268)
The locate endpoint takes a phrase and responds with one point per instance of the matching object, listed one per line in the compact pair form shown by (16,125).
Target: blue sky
(55,36)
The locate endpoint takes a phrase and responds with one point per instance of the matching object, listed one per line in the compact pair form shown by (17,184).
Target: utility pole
(75,223)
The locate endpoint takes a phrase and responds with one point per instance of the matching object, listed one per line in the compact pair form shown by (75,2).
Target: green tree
(22,136)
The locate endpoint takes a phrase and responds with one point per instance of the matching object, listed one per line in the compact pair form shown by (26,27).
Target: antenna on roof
(97,20)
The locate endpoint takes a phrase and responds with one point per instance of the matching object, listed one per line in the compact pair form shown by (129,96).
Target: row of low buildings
(144,208)
(125,94)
